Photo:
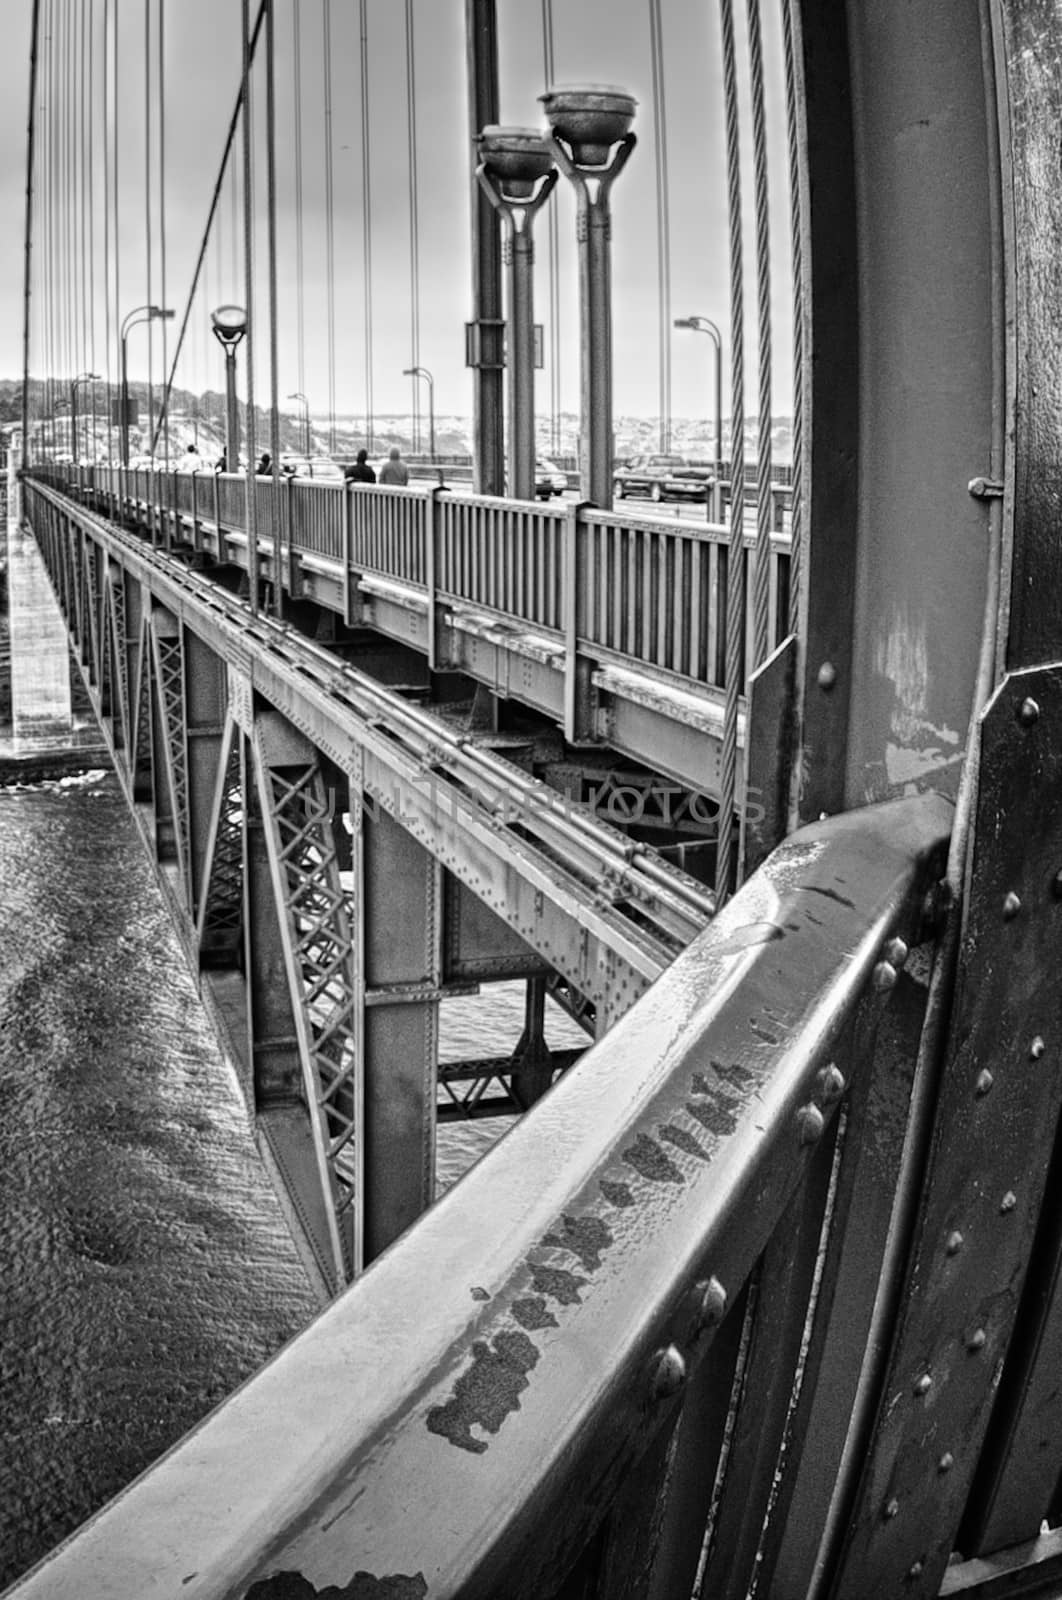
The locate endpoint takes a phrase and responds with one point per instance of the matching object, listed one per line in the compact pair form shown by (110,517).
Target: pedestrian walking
(394,469)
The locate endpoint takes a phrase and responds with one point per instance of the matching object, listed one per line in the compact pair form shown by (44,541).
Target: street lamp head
(589,118)
(229,324)
(516,158)
(685,322)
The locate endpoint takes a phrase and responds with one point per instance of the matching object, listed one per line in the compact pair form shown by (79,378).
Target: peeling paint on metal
(682,1139)
(362,1586)
(585,1237)
(557,1284)
(531,1313)
(716,1118)
(479,1294)
(486,1393)
(646,1157)
(617,1194)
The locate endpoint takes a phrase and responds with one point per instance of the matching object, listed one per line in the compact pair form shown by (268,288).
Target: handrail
(647,587)
(458,1422)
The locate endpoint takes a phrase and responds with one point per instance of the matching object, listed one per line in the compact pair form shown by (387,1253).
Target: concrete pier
(40,650)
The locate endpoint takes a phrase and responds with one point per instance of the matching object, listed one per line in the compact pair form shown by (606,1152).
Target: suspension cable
(726,852)
(271,223)
(366,201)
(299,273)
(27,271)
(761,587)
(553,253)
(147,218)
(797,253)
(162,221)
(330,234)
(215,201)
(248,281)
(414,249)
(663,221)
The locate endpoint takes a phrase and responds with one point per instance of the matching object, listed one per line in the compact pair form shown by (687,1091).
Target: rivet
(891,1510)
(1008,1202)
(923,1384)
(896,952)
(831,1084)
(1056,885)
(827,675)
(667,1372)
(712,1303)
(976,1341)
(954,1243)
(884,976)
(984,1083)
(946,1462)
(1028,713)
(1011,907)
(915,1569)
(1036,1049)
(811,1122)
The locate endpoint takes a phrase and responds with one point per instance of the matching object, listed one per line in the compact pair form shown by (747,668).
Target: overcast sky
(594,40)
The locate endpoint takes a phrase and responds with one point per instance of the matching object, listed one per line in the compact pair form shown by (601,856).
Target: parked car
(661,477)
(549,479)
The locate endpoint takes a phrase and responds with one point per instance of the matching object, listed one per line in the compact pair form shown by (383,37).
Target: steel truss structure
(338,861)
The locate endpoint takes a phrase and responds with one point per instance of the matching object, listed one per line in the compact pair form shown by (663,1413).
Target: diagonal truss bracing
(168,645)
(220,921)
(320,959)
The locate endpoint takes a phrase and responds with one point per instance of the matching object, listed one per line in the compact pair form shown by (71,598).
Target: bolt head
(1028,712)
(885,976)
(667,1372)
(831,1084)
(1056,885)
(977,1340)
(1008,1202)
(896,952)
(946,1462)
(1011,906)
(827,676)
(1036,1049)
(983,1084)
(810,1122)
(712,1298)
(892,1509)
(923,1384)
(954,1243)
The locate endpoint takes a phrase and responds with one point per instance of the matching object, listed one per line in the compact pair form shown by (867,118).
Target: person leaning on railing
(394,469)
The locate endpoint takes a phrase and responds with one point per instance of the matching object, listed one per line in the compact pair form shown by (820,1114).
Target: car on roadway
(661,477)
(311,467)
(549,479)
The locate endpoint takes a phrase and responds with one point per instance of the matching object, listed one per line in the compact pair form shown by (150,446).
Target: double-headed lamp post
(230,325)
(305,420)
(517,174)
(422,372)
(138,314)
(706,325)
(82,377)
(591,142)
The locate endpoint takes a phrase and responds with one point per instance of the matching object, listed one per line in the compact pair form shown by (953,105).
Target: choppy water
(145,1269)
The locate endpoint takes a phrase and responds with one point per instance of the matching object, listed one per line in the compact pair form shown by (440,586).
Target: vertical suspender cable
(553,254)
(147,210)
(248,281)
(330,233)
(414,245)
(797,241)
(725,863)
(92,208)
(366,195)
(108,369)
(83,186)
(27,269)
(663,222)
(162,224)
(116,192)
(213,215)
(300,310)
(274,357)
(761,585)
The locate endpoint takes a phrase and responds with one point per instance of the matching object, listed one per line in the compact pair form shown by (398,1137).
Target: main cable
(414,222)
(366,201)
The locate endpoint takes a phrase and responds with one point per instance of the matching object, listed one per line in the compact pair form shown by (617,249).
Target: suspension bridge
(760,1297)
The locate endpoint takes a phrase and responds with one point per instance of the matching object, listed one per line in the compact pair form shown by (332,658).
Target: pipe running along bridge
(761,1297)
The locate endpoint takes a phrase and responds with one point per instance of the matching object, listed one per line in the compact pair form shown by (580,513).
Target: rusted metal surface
(573,1281)
(994,1132)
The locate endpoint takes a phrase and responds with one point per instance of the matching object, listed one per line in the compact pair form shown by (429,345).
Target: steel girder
(248,753)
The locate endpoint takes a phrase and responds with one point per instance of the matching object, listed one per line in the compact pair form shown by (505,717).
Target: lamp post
(138,314)
(517,175)
(305,420)
(82,377)
(591,142)
(422,372)
(230,325)
(706,325)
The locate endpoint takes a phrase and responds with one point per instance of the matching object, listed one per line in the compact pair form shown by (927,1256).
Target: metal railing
(532,1389)
(641,586)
